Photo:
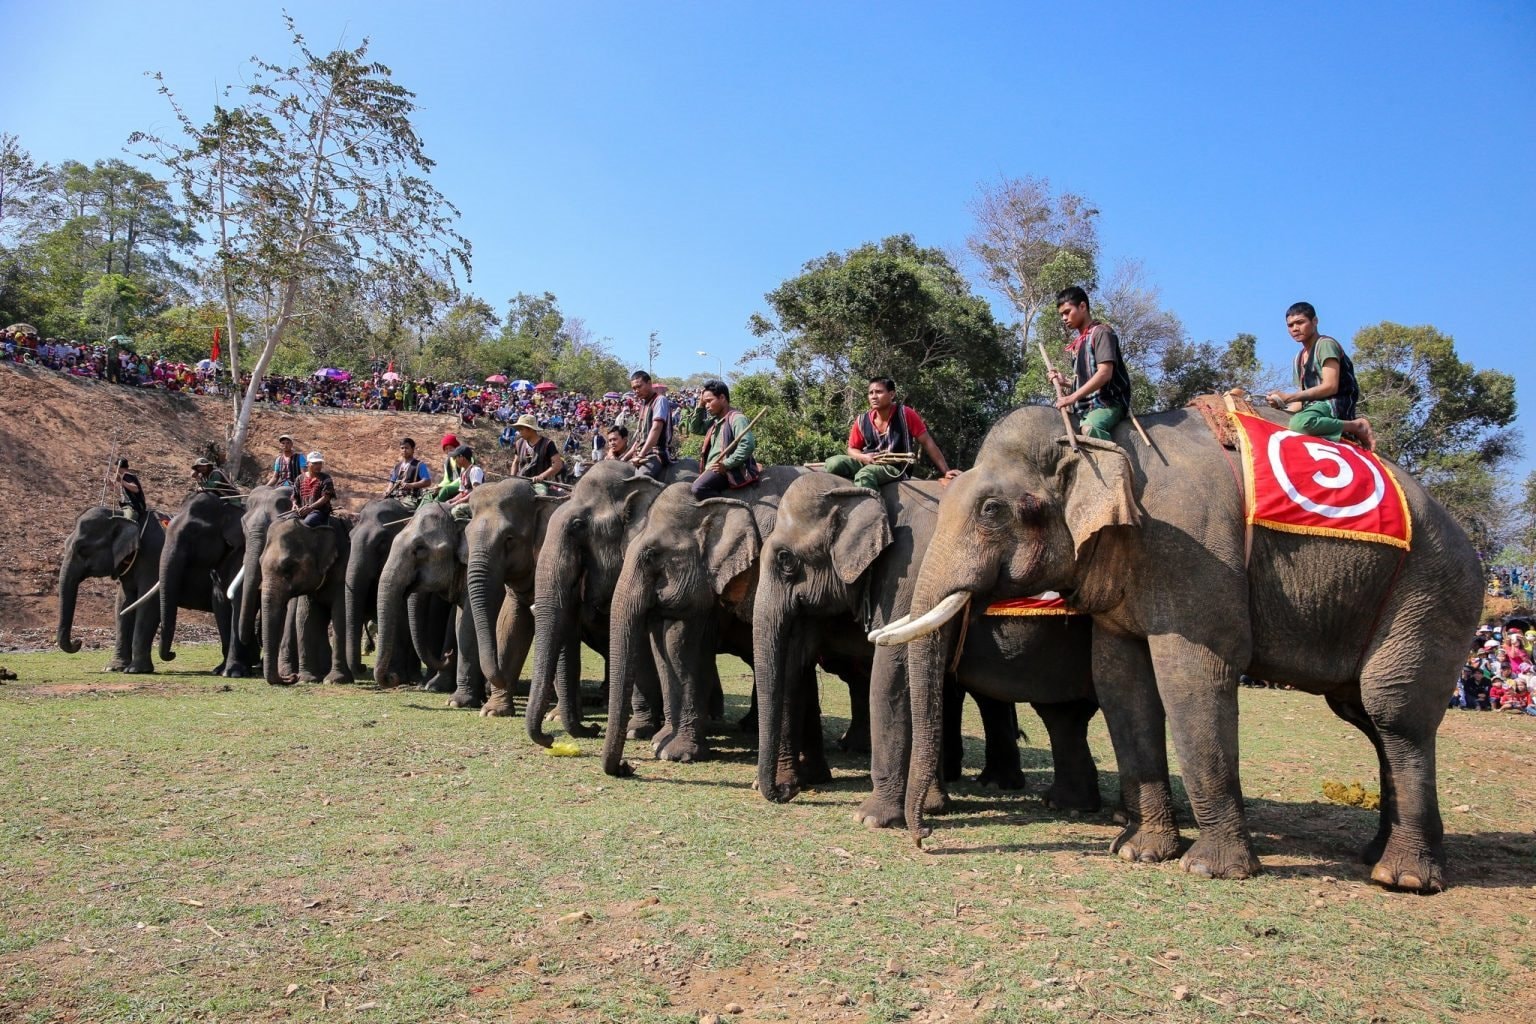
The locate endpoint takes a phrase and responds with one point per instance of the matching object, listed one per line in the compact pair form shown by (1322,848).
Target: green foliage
(888,309)
(1190,369)
(1441,418)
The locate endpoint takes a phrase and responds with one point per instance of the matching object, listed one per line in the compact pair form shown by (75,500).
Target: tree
(454,349)
(1189,369)
(1031,243)
(1440,418)
(318,171)
(22,182)
(891,309)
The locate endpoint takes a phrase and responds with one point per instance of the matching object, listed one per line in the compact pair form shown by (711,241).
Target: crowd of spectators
(1498,675)
(117,363)
(1514,582)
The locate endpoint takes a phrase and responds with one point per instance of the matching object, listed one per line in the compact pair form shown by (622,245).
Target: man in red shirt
(889,427)
(316,492)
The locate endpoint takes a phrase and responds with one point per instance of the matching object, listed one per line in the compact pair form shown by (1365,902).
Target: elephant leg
(856,739)
(1403,692)
(469,691)
(713,690)
(311,631)
(122,644)
(1076,783)
(1122,673)
(1000,726)
(569,667)
(1352,711)
(748,722)
(811,768)
(145,621)
(514,654)
(890,735)
(952,749)
(680,647)
(334,609)
(221,619)
(646,711)
(446,679)
(1199,691)
(288,658)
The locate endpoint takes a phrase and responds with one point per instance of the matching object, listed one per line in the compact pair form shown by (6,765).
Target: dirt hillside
(57,434)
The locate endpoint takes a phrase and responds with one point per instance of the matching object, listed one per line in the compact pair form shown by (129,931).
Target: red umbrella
(496,378)
(548,385)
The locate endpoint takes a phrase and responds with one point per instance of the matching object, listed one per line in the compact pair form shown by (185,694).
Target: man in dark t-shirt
(132,502)
(535,456)
(651,453)
(1101,385)
(1326,392)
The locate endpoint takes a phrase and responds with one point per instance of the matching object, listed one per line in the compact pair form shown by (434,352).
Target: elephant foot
(217,670)
(748,722)
(138,669)
(1402,866)
(642,731)
(499,706)
(1063,797)
(283,680)
(878,812)
(661,737)
(1136,843)
(782,792)
(683,748)
(308,677)
(625,770)
(1377,847)
(1008,777)
(437,685)
(1231,858)
(115,665)
(340,679)
(236,671)
(464,699)
(854,742)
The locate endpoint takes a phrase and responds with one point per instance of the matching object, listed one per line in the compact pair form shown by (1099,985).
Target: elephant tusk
(234,584)
(934,620)
(874,634)
(147,595)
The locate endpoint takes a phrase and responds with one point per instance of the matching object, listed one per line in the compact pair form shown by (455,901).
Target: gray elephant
(578,567)
(263,506)
(842,560)
(105,544)
(427,561)
(1152,543)
(377,526)
(683,596)
(203,550)
(507,523)
(309,563)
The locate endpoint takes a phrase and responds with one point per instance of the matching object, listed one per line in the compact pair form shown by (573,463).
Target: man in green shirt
(208,477)
(1326,390)
(722,427)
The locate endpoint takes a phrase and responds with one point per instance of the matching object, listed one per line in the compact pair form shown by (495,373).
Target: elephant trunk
(250,585)
(172,569)
(626,635)
(70,575)
(926,656)
(389,610)
(486,580)
(274,606)
(361,597)
(771,624)
(556,583)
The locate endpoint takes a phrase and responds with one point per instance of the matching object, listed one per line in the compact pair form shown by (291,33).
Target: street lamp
(719,366)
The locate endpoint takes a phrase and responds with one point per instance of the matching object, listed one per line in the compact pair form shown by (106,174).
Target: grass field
(180,847)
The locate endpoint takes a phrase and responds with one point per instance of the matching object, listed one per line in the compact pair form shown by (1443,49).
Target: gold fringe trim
(1328,531)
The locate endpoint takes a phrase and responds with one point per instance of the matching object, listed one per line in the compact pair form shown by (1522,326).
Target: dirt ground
(58,435)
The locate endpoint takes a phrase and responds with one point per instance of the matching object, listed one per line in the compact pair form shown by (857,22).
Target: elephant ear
(124,542)
(636,497)
(233,532)
(730,542)
(544,506)
(860,531)
(1098,488)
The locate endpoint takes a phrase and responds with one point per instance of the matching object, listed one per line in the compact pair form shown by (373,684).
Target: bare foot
(1361,428)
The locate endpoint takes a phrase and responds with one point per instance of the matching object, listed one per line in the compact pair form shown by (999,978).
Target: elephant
(310,563)
(377,526)
(843,558)
(507,523)
(686,585)
(106,544)
(263,506)
(427,561)
(204,546)
(578,567)
(1151,541)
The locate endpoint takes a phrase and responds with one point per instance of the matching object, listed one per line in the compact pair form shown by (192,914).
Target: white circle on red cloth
(1335,490)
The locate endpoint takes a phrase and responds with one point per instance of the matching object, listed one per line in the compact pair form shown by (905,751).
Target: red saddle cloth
(1048,603)
(1304,484)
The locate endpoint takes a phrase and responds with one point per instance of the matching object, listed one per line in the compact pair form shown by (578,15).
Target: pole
(1065,418)
(737,439)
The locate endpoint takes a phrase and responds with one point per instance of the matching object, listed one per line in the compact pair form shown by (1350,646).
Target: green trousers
(873,477)
(1099,422)
(1317,420)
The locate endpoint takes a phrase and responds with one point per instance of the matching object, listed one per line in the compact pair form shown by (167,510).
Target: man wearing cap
(410,478)
(316,492)
(288,466)
(450,482)
(210,478)
(470,477)
(535,457)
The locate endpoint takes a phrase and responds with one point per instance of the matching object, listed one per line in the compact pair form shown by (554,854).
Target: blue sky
(661,166)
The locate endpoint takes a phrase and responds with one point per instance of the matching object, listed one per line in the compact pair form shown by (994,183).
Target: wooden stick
(1065,419)
(1137,423)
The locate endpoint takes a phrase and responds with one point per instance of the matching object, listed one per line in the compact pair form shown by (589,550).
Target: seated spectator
(1518,697)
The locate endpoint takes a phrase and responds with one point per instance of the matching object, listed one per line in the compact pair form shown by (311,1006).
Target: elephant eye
(784,560)
(993,510)
(576,524)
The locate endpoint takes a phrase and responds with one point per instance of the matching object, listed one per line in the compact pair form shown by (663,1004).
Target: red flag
(215,355)
(391,366)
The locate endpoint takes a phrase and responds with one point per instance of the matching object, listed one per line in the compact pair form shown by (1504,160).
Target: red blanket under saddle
(1304,484)
(1048,603)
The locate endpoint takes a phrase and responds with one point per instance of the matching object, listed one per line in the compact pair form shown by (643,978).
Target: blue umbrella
(522,385)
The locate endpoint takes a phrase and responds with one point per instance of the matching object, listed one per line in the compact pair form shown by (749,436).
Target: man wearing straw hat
(880,442)
(535,457)
(210,478)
